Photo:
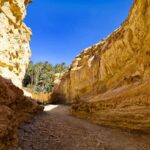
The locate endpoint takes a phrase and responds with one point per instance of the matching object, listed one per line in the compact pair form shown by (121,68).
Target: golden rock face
(15,53)
(101,77)
(14,38)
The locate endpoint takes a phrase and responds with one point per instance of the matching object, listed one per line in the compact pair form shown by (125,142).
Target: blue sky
(63,28)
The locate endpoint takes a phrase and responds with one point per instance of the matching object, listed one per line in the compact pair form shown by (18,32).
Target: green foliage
(40,76)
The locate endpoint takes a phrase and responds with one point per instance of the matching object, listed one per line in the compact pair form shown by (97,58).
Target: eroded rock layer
(14,109)
(109,81)
(14,40)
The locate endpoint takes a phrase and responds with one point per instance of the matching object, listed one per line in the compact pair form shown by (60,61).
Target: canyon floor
(55,129)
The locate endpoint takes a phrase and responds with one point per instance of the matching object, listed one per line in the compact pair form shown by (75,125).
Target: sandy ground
(55,129)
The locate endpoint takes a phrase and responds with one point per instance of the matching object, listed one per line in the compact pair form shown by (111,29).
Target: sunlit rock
(108,83)
(15,53)
(14,38)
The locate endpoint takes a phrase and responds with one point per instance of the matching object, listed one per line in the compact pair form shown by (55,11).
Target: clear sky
(63,28)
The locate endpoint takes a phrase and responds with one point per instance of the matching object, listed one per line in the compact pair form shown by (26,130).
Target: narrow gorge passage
(55,129)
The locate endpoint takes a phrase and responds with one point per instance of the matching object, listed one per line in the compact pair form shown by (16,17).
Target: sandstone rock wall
(14,109)
(14,40)
(100,72)
(14,58)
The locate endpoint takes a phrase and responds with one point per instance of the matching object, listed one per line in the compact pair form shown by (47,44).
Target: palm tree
(40,76)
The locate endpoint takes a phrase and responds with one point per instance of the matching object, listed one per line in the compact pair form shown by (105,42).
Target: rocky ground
(55,129)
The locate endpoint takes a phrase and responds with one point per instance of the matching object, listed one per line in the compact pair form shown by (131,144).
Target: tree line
(40,76)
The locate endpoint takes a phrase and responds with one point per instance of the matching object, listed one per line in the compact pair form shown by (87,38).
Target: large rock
(109,82)
(14,38)
(15,108)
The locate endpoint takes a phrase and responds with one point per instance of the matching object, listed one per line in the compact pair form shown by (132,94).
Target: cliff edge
(14,38)
(109,82)
(15,54)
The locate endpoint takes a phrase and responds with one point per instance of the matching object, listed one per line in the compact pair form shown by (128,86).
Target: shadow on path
(55,129)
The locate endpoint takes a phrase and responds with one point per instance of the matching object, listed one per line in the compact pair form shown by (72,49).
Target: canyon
(108,83)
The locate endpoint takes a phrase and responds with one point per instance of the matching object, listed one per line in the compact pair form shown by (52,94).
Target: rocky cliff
(14,38)
(109,82)
(14,109)
(14,58)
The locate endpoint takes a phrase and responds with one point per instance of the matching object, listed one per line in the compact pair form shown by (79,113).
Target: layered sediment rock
(109,81)
(14,109)
(14,58)
(14,38)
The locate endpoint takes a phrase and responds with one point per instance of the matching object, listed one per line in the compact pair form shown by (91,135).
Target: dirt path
(57,130)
